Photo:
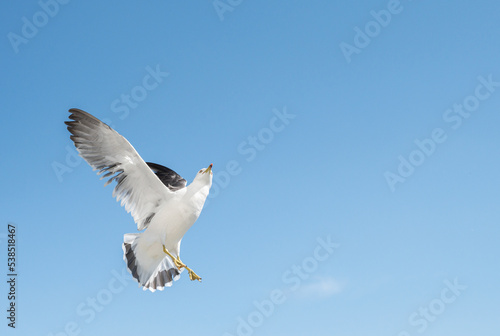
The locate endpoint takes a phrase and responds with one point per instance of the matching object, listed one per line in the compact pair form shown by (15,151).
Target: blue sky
(355,152)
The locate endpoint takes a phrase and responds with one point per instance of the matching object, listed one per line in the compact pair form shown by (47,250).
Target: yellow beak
(209,169)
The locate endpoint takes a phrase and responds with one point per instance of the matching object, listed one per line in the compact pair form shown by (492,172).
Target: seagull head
(205,175)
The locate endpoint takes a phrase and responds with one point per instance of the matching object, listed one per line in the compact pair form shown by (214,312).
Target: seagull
(159,200)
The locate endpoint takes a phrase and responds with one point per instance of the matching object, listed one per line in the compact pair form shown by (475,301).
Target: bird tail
(147,262)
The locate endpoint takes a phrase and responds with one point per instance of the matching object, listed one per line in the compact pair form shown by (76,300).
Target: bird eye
(200,170)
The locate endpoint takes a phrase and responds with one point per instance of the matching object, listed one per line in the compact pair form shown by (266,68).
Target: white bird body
(185,208)
(156,197)
(164,228)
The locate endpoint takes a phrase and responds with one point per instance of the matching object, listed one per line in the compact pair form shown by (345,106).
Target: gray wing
(138,188)
(168,177)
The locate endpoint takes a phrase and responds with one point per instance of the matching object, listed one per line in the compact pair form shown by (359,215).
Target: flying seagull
(157,198)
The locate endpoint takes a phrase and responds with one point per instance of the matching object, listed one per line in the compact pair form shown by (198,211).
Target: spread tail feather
(147,263)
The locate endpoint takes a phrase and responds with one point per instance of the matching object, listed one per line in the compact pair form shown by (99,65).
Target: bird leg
(179,264)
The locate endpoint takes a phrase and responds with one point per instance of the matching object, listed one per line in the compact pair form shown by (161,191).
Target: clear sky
(355,151)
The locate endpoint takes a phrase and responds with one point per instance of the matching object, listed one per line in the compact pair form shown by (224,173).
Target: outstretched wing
(138,188)
(170,179)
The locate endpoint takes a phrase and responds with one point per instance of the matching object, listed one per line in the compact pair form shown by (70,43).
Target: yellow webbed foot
(193,275)
(179,264)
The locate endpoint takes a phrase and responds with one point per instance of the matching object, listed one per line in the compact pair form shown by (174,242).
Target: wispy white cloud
(321,287)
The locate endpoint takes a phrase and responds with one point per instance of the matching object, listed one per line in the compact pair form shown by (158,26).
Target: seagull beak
(209,169)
